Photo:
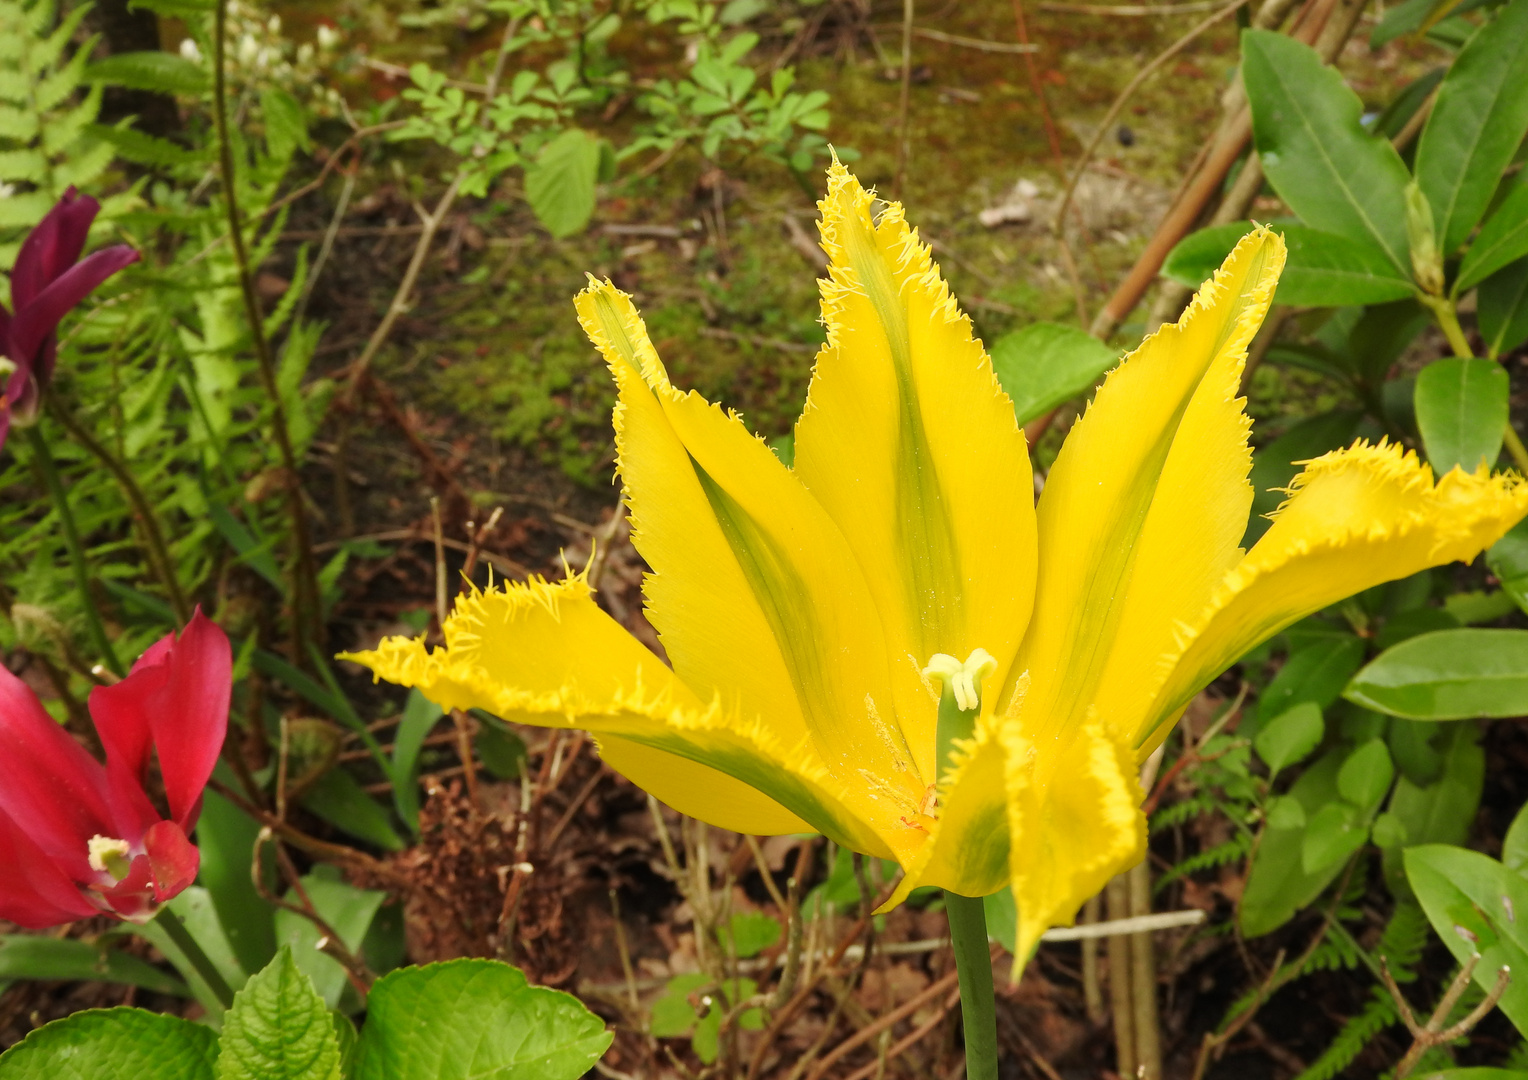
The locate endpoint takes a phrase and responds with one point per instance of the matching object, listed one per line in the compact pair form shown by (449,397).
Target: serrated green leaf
(104,1044)
(1046,364)
(560,185)
(278,1029)
(1448,675)
(1461,408)
(1477,123)
(475,1018)
(1332,172)
(349,911)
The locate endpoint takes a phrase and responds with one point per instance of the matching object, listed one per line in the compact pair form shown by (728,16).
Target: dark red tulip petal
(175,700)
(34,891)
(53,790)
(173,859)
(52,246)
(33,322)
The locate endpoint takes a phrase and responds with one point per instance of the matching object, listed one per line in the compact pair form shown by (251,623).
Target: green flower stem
(973,962)
(49,469)
(176,931)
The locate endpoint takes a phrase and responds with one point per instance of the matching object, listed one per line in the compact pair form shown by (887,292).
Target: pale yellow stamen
(108,855)
(964,680)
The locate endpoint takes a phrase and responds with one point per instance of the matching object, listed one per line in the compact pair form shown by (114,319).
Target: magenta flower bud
(47,282)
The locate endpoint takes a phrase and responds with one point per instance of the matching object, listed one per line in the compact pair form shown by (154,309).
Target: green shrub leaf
(475,1018)
(278,1029)
(1448,675)
(1461,406)
(1046,364)
(110,1043)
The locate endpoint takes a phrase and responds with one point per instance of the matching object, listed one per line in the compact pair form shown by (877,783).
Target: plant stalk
(49,469)
(306,617)
(176,931)
(973,963)
(155,549)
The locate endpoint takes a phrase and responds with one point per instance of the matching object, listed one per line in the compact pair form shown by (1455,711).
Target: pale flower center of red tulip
(108,855)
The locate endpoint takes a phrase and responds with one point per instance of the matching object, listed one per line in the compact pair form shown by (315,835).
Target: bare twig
(1426,1036)
(902,101)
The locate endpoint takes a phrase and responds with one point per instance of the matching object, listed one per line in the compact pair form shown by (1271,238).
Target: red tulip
(78,838)
(47,282)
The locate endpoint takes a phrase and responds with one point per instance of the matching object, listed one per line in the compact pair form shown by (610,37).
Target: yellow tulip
(890,643)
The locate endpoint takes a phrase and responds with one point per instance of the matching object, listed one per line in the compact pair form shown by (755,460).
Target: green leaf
(349,911)
(1402,19)
(286,123)
(1365,777)
(672,1014)
(1502,308)
(1477,123)
(420,714)
(1334,174)
(1046,364)
(1442,811)
(1461,406)
(1002,917)
(1290,736)
(560,186)
(167,73)
(226,837)
(278,1029)
(1448,675)
(107,1044)
(1503,239)
(501,749)
(193,907)
(1332,834)
(475,1018)
(30,956)
(1473,902)
(1315,673)
(1514,848)
(1323,269)
(1278,885)
(1508,560)
(339,799)
(141,148)
(752,932)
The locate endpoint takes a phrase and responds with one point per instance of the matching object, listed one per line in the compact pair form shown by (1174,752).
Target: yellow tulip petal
(545,654)
(697,596)
(699,791)
(1141,515)
(1072,835)
(911,446)
(797,569)
(967,848)
(1355,518)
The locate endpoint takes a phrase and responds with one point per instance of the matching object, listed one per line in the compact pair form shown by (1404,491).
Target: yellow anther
(963,680)
(108,855)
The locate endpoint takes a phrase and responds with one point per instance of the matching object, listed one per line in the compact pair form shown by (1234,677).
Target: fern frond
(1233,849)
(1378,1013)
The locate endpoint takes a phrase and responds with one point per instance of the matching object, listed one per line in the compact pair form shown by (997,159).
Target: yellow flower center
(108,855)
